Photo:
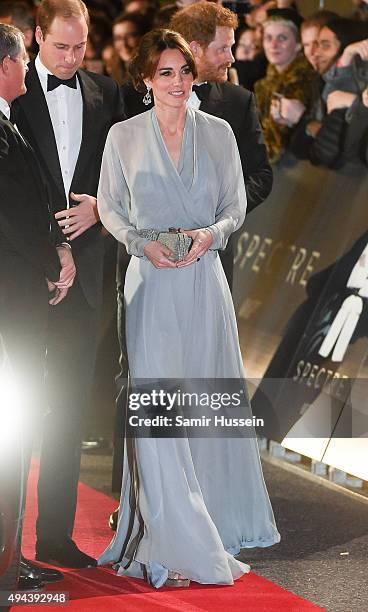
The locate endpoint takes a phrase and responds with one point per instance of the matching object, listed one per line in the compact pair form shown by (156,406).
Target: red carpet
(101,589)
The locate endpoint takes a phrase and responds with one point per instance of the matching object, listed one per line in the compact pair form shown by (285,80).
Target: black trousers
(23,326)
(71,351)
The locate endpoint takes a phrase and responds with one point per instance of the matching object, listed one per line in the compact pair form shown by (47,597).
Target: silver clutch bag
(174,240)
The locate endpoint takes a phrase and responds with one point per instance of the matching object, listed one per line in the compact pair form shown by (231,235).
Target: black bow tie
(202,91)
(53,82)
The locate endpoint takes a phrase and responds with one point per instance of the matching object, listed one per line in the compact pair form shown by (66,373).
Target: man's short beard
(212,73)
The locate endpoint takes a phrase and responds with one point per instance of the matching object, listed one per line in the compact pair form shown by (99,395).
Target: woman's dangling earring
(147,98)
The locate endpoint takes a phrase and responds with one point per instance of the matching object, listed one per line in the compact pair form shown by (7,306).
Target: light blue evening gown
(202,499)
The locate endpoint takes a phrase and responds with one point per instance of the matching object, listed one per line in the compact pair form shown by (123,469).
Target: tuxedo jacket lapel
(214,104)
(28,153)
(92,107)
(34,106)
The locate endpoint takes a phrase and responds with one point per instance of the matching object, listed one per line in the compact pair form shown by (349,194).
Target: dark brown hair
(144,62)
(347,31)
(140,21)
(318,19)
(66,9)
(199,21)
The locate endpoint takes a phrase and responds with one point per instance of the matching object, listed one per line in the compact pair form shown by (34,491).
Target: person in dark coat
(34,260)
(341,59)
(66,115)
(250,61)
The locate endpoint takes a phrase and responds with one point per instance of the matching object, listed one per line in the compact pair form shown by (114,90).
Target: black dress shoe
(66,554)
(45,574)
(28,583)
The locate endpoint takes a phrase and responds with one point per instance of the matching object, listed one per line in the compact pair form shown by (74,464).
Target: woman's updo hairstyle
(144,63)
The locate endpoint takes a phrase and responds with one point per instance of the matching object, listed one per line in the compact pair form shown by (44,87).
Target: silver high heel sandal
(175,579)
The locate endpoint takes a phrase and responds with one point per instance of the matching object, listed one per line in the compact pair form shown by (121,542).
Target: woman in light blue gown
(197,501)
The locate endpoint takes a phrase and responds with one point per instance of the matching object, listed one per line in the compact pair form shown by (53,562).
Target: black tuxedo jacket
(237,106)
(101,109)
(27,243)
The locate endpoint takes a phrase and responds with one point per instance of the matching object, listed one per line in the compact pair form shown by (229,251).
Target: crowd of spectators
(310,76)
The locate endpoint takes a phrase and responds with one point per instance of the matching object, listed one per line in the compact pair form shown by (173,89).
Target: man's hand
(202,240)
(66,278)
(76,220)
(339,99)
(159,255)
(357,48)
(313,127)
(68,271)
(59,294)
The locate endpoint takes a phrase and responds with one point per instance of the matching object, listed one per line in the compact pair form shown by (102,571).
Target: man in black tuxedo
(33,260)
(66,114)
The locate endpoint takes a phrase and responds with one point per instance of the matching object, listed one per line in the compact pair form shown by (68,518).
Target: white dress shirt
(4,108)
(193,101)
(66,112)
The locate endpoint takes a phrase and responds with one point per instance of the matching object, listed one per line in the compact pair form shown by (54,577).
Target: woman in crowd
(127,31)
(247,45)
(197,501)
(250,61)
(288,75)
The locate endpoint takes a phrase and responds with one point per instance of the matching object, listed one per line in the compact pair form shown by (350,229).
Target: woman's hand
(339,99)
(287,111)
(202,240)
(365,97)
(159,255)
(291,110)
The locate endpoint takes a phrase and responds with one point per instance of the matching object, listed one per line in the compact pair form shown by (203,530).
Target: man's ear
(5,64)
(38,35)
(196,49)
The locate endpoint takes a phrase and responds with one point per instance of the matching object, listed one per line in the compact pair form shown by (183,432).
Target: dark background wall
(343,7)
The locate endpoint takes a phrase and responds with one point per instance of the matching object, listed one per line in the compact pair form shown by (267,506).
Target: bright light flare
(10,408)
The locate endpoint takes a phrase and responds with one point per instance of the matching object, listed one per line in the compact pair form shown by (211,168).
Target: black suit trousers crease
(23,327)
(71,349)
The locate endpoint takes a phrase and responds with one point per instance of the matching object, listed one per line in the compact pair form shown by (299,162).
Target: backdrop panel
(301,290)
